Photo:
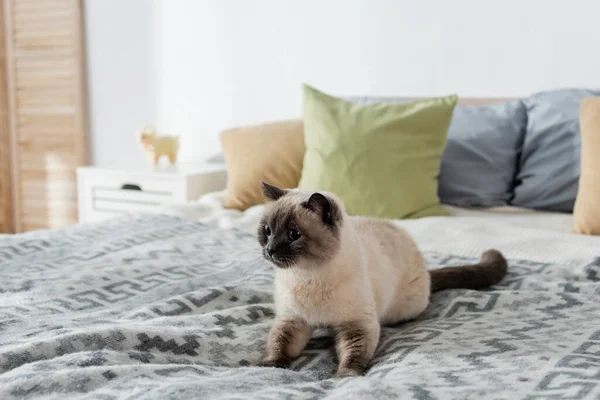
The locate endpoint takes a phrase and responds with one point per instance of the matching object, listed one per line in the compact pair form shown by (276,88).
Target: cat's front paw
(347,373)
(274,362)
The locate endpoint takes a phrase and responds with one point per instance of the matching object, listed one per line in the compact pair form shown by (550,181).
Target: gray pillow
(480,161)
(550,161)
(479,164)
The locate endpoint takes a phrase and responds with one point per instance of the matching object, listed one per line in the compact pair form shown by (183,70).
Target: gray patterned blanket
(156,307)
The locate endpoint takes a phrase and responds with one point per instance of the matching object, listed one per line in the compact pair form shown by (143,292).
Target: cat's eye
(267,230)
(294,234)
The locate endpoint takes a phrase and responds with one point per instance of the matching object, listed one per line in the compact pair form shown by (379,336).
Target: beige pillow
(272,152)
(586,214)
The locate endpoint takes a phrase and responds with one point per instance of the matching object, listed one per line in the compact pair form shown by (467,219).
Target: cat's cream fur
(374,274)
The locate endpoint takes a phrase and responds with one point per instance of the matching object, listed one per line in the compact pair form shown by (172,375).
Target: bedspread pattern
(158,307)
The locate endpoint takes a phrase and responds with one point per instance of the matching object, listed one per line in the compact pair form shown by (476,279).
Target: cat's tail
(490,270)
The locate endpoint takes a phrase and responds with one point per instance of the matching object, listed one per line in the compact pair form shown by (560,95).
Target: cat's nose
(272,250)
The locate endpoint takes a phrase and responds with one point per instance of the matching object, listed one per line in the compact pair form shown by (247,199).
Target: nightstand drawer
(136,187)
(104,194)
(114,195)
(130,195)
(127,199)
(116,206)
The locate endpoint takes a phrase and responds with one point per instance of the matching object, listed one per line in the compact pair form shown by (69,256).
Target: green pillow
(382,160)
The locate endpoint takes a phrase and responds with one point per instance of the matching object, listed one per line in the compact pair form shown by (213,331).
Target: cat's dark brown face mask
(298,229)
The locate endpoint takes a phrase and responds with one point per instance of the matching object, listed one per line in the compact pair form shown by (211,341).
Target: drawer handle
(130,186)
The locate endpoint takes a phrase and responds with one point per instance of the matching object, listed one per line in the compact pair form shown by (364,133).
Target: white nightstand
(105,193)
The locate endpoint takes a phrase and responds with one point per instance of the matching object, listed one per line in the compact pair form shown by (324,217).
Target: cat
(348,273)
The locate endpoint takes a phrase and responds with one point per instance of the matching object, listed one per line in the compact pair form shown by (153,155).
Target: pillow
(550,161)
(586,214)
(480,161)
(382,160)
(272,152)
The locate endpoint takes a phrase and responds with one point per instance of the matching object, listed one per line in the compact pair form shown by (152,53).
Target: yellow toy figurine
(158,146)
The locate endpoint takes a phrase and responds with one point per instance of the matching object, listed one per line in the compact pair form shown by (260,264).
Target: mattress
(519,217)
(165,307)
(209,209)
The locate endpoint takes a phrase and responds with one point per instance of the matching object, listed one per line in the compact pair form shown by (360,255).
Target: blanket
(157,307)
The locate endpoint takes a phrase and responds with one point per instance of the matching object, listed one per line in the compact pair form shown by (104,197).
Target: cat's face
(299,229)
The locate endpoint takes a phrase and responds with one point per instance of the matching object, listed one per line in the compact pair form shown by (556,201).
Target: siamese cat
(351,274)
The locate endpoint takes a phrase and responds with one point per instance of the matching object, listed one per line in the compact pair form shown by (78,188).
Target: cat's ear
(271,192)
(324,206)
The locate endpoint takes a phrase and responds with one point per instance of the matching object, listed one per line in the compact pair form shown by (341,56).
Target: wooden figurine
(158,146)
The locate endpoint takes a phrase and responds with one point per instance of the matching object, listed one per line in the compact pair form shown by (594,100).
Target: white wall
(221,63)
(121,74)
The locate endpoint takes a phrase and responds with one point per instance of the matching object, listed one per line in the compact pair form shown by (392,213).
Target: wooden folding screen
(6,217)
(45,86)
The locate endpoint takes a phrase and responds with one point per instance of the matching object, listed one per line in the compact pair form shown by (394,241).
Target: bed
(178,305)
